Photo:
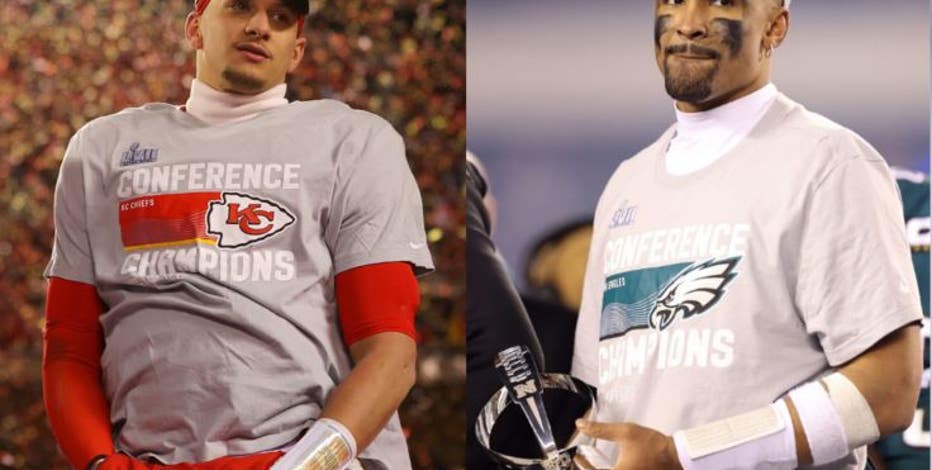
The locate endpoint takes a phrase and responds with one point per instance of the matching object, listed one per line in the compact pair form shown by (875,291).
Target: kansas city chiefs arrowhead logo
(240,219)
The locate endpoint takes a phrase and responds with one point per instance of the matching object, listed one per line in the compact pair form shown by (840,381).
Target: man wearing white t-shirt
(749,299)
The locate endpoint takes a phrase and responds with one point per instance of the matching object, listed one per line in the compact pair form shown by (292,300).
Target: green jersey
(909,450)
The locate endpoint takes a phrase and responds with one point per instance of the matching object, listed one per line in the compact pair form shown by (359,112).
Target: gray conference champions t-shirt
(715,293)
(214,248)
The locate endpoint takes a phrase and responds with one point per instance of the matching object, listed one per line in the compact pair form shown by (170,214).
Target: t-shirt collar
(215,107)
(731,115)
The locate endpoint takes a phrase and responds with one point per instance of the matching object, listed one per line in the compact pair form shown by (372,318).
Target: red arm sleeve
(74,398)
(377,298)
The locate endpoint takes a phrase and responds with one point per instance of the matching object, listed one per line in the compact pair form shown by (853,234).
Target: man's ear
(298,54)
(192,30)
(776,33)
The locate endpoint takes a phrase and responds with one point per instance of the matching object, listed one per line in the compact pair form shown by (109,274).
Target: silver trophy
(524,386)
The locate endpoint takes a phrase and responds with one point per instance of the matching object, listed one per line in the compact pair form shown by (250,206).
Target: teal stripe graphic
(630,296)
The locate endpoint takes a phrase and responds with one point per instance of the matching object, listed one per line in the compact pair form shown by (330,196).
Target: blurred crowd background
(65,62)
(561,92)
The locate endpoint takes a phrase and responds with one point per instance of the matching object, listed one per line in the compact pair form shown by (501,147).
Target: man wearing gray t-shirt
(727,325)
(232,282)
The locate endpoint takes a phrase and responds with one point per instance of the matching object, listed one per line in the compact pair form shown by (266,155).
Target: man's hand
(638,447)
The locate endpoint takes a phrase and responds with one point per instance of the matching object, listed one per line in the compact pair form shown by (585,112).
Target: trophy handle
(522,379)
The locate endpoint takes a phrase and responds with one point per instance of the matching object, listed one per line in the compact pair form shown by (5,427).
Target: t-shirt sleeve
(71,252)
(585,363)
(856,283)
(586,340)
(376,213)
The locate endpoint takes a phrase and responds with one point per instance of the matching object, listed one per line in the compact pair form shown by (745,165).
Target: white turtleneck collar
(704,137)
(219,107)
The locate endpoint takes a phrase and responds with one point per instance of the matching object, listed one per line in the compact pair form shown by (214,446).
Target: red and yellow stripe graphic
(166,220)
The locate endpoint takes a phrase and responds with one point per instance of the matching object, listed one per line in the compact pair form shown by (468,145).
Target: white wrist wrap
(836,421)
(762,438)
(856,415)
(327,445)
(820,421)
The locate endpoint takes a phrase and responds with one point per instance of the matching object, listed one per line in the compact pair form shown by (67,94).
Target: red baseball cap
(300,6)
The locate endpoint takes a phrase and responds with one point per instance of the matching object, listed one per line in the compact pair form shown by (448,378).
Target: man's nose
(691,22)
(259,25)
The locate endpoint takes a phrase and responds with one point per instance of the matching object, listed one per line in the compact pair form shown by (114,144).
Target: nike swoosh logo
(415,246)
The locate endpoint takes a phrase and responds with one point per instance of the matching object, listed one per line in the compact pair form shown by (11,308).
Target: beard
(693,87)
(242,83)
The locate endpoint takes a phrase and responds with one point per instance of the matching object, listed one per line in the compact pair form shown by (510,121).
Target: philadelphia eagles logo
(693,291)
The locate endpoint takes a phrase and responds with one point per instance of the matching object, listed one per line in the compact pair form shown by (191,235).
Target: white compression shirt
(217,107)
(702,137)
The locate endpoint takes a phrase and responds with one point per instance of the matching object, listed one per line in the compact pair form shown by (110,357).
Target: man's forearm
(886,376)
(867,397)
(383,375)
(77,409)
(884,379)
(889,376)
(74,398)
